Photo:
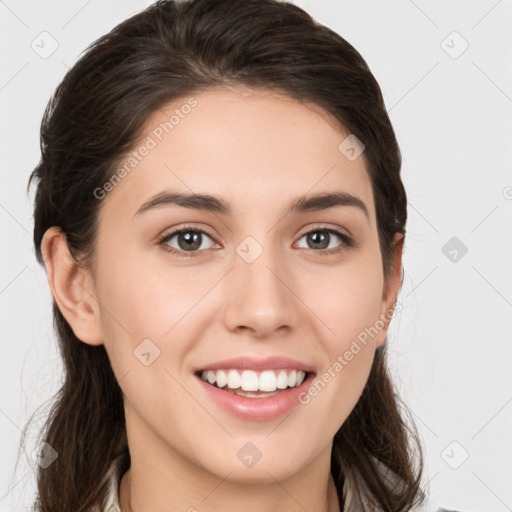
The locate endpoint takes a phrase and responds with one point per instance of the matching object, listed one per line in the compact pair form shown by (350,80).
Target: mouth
(255,389)
(255,384)
(254,403)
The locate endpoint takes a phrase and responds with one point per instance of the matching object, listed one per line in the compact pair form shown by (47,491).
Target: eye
(320,240)
(188,240)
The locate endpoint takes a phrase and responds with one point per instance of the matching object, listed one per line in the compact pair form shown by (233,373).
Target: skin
(257,150)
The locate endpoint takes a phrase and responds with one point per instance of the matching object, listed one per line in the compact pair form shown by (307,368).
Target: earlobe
(391,289)
(71,288)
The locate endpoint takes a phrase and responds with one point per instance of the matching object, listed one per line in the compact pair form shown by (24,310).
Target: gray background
(451,107)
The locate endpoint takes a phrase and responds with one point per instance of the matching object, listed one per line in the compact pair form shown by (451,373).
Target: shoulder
(431,507)
(353,505)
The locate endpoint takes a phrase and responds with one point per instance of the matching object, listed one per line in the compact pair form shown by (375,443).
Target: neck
(166,486)
(171,479)
(251,500)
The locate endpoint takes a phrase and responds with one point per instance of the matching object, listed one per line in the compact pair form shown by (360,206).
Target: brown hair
(170,50)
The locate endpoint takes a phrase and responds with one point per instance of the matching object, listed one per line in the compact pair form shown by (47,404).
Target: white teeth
(222,378)
(282,380)
(267,381)
(249,380)
(233,379)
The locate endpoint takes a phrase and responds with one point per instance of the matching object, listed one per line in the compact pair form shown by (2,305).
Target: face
(245,276)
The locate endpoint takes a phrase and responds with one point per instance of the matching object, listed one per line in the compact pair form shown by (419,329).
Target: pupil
(192,241)
(319,237)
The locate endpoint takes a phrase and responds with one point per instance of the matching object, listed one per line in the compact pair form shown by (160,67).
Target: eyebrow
(215,204)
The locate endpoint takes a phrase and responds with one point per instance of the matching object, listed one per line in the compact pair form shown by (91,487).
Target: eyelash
(347,241)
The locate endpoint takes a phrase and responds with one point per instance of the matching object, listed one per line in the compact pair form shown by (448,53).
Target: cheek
(140,301)
(147,308)
(141,318)
(337,387)
(134,312)
(349,305)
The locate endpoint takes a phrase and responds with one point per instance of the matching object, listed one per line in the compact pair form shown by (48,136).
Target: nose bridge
(257,294)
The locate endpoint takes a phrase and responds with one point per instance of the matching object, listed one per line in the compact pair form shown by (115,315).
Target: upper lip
(252,363)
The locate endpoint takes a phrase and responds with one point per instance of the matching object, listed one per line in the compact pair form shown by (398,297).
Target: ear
(72,287)
(390,290)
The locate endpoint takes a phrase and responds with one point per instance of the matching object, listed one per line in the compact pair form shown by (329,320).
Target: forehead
(255,148)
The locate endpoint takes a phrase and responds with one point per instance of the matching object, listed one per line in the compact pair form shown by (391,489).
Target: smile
(250,380)
(255,395)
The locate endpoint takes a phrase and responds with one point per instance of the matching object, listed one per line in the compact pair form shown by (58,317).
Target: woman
(221,217)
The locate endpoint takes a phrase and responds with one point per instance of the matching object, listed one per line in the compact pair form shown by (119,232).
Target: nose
(259,296)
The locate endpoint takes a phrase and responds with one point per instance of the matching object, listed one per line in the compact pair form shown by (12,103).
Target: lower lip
(257,409)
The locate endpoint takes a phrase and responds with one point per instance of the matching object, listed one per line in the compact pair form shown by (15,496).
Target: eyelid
(326,227)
